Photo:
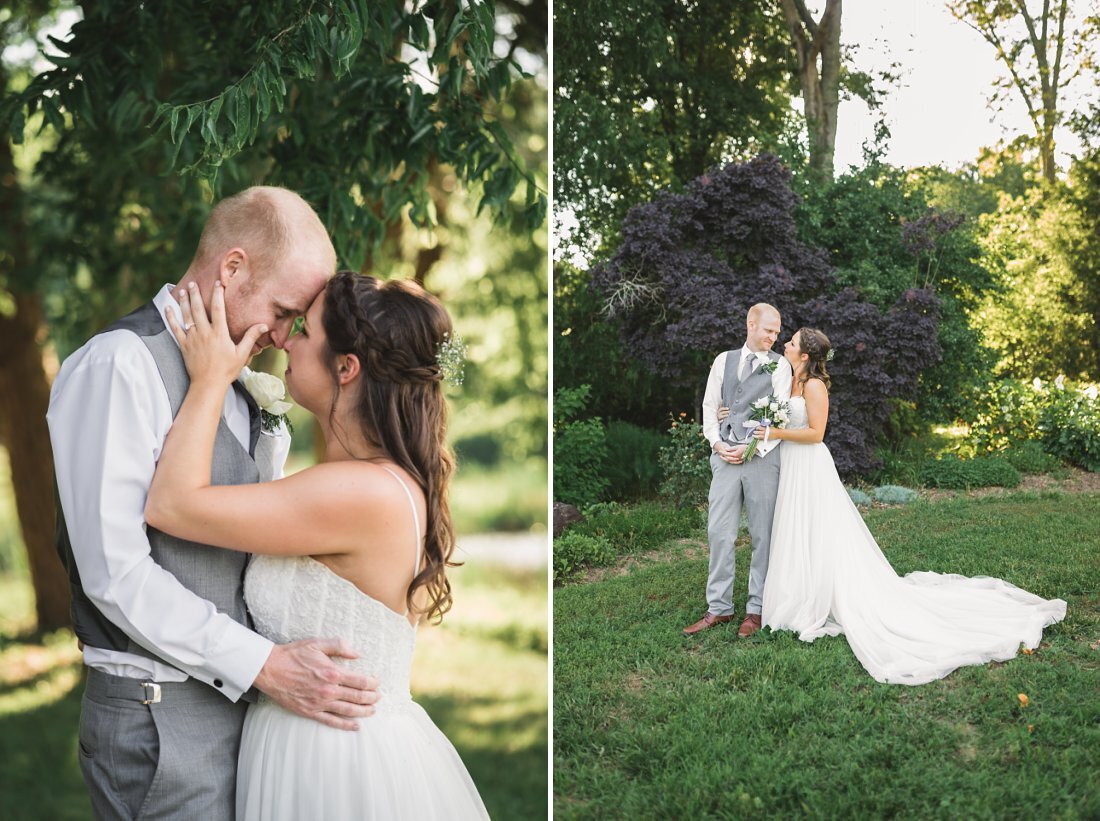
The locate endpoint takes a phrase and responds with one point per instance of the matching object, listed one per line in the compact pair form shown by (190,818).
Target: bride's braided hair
(817,346)
(395,328)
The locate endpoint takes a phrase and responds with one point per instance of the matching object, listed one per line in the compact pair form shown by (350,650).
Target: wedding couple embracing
(816,568)
(249,637)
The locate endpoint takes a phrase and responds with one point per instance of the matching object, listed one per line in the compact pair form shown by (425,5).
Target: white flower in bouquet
(769,411)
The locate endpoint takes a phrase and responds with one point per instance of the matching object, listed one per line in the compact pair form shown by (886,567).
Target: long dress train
(827,576)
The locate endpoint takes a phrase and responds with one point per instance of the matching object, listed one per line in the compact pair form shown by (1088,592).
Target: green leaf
(418,31)
(210,123)
(421,132)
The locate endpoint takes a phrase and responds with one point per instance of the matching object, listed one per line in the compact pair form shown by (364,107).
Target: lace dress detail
(797,418)
(298,597)
(397,765)
(827,576)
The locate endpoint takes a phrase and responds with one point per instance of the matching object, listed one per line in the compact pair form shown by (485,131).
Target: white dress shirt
(782,378)
(109,415)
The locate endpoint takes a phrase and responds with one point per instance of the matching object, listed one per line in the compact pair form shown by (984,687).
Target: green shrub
(1063,415)
(858,496)
(901,465)
(1070,425)
(894,495)
(1029,457)
(960,474)
(580,450)
(574,551)
(685,464)
(632,468)
(1008,411)
(641,527)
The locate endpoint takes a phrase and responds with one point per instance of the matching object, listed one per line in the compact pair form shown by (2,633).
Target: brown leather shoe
(749,626)
(708,621)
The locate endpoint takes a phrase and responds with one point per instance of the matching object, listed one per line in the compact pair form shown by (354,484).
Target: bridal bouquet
(768,412)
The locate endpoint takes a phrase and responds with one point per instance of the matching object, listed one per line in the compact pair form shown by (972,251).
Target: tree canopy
(649,94)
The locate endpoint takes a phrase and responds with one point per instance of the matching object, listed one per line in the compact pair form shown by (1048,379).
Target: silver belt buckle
(152,692)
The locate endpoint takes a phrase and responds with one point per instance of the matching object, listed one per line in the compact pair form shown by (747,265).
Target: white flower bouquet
(768,412)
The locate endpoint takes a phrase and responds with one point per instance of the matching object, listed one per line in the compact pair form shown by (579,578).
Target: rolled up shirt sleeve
(712,399)
(108,419)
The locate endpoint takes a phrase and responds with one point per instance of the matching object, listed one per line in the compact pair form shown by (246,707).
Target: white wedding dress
(398,765)
(827,576)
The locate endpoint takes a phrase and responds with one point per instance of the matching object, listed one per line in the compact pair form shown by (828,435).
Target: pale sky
(939,114)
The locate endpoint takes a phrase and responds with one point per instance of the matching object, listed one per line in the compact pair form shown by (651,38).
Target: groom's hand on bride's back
(303,678)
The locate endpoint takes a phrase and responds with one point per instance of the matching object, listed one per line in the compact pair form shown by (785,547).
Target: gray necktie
(745,360)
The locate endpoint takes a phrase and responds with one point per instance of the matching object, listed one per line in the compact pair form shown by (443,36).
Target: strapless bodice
(296,597)
(798,417)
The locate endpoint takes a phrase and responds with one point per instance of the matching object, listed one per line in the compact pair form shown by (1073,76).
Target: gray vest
(214,574)
(738,395)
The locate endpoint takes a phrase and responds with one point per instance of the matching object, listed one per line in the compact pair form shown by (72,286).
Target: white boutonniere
(766,364)
(269,393)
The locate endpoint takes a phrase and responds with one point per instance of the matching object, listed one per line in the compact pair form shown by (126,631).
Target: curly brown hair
(395,328)
(817,346)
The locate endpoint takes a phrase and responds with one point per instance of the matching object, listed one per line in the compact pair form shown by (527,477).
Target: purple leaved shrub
(690,265)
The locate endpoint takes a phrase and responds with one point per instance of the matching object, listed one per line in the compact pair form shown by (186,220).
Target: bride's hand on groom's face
(208,350)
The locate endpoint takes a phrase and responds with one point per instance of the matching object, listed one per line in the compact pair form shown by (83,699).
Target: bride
(827,575)
(355,546)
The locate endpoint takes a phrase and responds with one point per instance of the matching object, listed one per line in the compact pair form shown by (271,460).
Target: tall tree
(817,44)
(650,93)
(1041,53)
(155,109)
(24,388)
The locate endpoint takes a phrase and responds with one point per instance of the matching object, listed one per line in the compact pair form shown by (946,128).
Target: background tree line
(933,283)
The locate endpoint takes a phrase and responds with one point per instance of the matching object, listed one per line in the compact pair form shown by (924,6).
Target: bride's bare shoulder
(814,387)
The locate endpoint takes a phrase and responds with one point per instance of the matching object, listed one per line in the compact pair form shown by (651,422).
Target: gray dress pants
(754,485)
(173,760)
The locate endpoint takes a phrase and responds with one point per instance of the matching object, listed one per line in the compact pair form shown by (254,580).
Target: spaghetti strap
(416,516)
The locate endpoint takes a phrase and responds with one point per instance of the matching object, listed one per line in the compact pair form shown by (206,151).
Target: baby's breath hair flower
(451,358)
(830,354)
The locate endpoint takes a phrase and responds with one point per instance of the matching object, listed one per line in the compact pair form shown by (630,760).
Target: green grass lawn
(481,675)
(650,724)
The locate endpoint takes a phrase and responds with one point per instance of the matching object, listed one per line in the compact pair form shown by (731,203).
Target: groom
(172,661)
(737,379)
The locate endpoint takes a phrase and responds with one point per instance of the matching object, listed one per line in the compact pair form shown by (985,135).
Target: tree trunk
(24,398)
(820,85)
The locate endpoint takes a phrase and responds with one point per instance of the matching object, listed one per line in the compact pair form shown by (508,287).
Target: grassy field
(649,724)
(481,675)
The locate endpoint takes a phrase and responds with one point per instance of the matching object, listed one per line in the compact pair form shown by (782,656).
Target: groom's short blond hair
(759,311)
(267,222)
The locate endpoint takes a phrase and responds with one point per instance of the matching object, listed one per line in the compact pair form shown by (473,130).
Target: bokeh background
(419,132)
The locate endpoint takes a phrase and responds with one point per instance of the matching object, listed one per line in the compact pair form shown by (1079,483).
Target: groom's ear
(347,369)
(234,262)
